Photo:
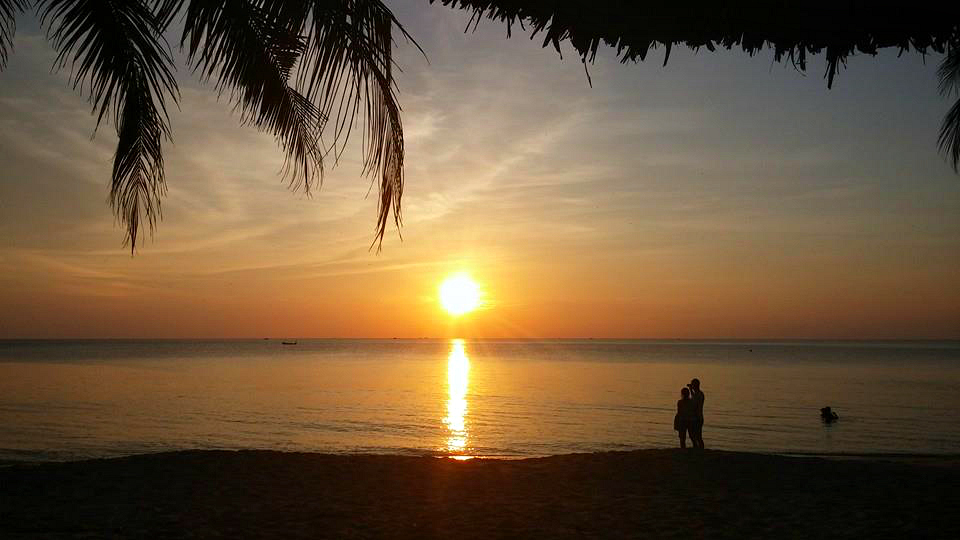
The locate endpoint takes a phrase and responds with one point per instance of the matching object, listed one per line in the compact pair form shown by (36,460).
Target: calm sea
(63,400)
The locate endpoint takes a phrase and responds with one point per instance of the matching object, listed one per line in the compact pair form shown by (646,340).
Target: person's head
(684,393)
(695,384)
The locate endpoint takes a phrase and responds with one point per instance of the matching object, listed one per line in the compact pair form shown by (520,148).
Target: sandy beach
(639,494)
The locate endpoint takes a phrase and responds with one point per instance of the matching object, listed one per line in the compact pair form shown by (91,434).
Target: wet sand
(640,494)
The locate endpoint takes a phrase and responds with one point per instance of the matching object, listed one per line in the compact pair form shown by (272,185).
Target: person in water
(827,415)
(684,417)
(696,426)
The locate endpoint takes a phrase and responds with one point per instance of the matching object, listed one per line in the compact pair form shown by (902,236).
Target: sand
(640,494)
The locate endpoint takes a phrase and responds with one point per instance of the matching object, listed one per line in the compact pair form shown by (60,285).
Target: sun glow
(459,294)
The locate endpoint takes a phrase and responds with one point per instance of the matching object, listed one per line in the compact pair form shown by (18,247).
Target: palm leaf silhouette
(8,12)
(251,56)
(303,70)
(348,61)
(298,69)
(949,75)
(117,53)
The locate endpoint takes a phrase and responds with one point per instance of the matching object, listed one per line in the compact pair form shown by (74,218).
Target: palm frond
(948,73)
(348,63)
(138,179)
(8,25)
(306,69)
(165,11)
(116,51)
(949,140)
(242,46)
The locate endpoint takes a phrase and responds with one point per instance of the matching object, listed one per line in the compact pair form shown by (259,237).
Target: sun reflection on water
(458,378)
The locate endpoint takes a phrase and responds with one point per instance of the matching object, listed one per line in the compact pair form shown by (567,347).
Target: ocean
(68,400)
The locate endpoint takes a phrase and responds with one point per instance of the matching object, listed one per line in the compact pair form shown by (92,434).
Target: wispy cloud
(673,189)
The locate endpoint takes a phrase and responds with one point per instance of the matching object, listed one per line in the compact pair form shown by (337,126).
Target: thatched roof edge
(792,30)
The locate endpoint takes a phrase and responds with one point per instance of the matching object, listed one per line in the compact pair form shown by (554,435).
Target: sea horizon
(784,340)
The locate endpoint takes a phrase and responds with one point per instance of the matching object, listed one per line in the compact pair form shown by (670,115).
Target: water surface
(78,399)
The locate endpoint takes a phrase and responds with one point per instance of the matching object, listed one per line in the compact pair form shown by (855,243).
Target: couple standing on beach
(689,416)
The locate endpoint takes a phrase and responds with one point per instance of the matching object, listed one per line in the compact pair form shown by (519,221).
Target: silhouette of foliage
(299,69)
(294,68)
(949,73)
(220,36)
(8,13)
(117,53)
(792,30)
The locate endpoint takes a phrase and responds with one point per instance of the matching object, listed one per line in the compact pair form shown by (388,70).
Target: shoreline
(660,493)
(892,457)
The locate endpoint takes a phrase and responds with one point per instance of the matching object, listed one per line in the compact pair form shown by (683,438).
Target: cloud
(649,188)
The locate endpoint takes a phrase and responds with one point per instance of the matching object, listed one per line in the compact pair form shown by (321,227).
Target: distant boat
(289,342)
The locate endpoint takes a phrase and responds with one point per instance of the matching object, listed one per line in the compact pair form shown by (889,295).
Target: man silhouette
(696,426)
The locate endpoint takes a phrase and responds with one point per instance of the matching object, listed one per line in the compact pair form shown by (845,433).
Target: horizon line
(439,338)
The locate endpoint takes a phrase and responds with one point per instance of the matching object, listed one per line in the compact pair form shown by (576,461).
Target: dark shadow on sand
(646,493)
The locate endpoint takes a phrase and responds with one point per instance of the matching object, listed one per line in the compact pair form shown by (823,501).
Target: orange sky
(717,197)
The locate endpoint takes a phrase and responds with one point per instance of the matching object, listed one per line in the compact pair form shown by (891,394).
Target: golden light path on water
(458,379)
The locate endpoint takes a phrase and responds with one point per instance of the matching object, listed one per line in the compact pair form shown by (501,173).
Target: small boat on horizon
(289,342)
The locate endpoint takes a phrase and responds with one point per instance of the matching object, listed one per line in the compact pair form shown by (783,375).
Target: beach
(633,494)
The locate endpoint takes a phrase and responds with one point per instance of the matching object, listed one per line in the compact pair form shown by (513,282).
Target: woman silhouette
(685,417)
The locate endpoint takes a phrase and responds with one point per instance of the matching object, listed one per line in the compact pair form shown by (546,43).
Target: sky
(719,196)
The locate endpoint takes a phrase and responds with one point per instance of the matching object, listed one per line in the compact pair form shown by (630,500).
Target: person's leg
(683,437)
(695,438)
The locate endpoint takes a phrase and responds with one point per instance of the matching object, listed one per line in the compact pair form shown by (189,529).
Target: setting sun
(459,294)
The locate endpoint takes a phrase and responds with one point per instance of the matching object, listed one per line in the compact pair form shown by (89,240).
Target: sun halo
(459,294)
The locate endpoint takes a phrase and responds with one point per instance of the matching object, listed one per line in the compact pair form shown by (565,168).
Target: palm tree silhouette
(301,68)
(297,69)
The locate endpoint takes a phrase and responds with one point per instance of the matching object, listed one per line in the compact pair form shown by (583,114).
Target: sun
(459,294)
